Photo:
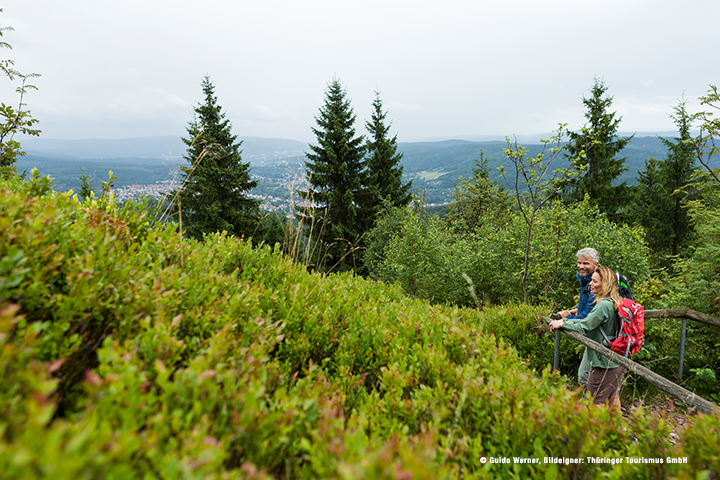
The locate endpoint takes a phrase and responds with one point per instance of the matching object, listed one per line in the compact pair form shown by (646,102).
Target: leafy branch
(14,120)
(535,184)
(705,144)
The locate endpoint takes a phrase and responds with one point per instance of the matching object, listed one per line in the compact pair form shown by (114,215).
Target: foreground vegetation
(130,352)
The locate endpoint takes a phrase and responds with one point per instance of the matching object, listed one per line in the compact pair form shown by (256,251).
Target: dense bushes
(128,352)
(523,327)
(560,231)
(414,249)
(427,258)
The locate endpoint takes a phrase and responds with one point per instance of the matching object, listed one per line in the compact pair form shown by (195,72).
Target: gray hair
(590,253)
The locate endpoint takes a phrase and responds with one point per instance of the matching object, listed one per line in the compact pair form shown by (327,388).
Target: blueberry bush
(127,351)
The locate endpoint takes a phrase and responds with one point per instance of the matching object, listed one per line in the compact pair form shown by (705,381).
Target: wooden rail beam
(683,313)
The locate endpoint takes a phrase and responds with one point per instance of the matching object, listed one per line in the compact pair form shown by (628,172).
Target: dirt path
(659,407)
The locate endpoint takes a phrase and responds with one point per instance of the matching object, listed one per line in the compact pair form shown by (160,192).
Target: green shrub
(523,326)
(693,283)
(129,352)
(428,259)
(560,231)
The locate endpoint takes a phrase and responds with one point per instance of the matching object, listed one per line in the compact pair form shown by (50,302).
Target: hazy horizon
(470,138)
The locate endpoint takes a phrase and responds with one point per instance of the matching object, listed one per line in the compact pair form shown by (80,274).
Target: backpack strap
(605,337)
(602,331)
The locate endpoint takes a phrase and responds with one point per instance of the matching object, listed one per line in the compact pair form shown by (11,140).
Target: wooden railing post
(682,348)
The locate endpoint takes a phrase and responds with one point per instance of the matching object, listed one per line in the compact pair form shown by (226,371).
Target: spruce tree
(594,148)
(478,201)
(86,189)
(662,191)
(385,188)
(335,168)
(213,196)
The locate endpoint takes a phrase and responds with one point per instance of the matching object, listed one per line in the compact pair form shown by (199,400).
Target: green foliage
(106,186)
(534,185)
(696,285)
(560,231)
(427,258)
(335,169)
(594,150)
(12,271)
(127,351)
(421,255)
(212,197)
(273,228)
(387,226)
(706,144)
(523,326)
(478,200)
(14,120)
(692,283)
(697,279)
(39,186)
(86,189)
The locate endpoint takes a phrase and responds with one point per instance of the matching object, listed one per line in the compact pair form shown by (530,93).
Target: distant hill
(136,160)
(255,149)
(434,167)
(142,147)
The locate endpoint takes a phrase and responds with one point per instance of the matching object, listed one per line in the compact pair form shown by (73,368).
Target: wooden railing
(653,378)
(684,315)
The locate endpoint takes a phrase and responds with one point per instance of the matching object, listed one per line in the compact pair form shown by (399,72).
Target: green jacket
(602,315)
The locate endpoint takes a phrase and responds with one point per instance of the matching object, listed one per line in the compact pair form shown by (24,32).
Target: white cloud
(395,106)
(443,68)
(262,112)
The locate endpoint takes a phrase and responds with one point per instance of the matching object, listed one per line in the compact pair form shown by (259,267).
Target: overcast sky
(450,69)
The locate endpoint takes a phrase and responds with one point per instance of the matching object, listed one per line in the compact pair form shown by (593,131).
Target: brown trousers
(604,382)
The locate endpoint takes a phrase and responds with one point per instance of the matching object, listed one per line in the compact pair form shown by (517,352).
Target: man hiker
(588,259)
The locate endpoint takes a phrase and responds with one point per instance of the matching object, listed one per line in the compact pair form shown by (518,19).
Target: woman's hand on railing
(555,324)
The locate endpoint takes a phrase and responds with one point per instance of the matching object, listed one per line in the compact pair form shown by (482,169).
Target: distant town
(268,203)
(287,184)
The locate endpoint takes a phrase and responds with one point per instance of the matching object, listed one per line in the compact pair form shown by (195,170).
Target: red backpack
(631,329)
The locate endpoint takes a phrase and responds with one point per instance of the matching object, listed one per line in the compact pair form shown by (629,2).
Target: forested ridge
(434,167)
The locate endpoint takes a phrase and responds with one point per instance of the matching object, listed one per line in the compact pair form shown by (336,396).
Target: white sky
(445,69)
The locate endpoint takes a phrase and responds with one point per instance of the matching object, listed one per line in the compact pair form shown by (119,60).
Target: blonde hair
(608,287)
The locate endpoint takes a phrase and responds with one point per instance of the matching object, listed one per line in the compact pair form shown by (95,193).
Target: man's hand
(565,313)
(555,324)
